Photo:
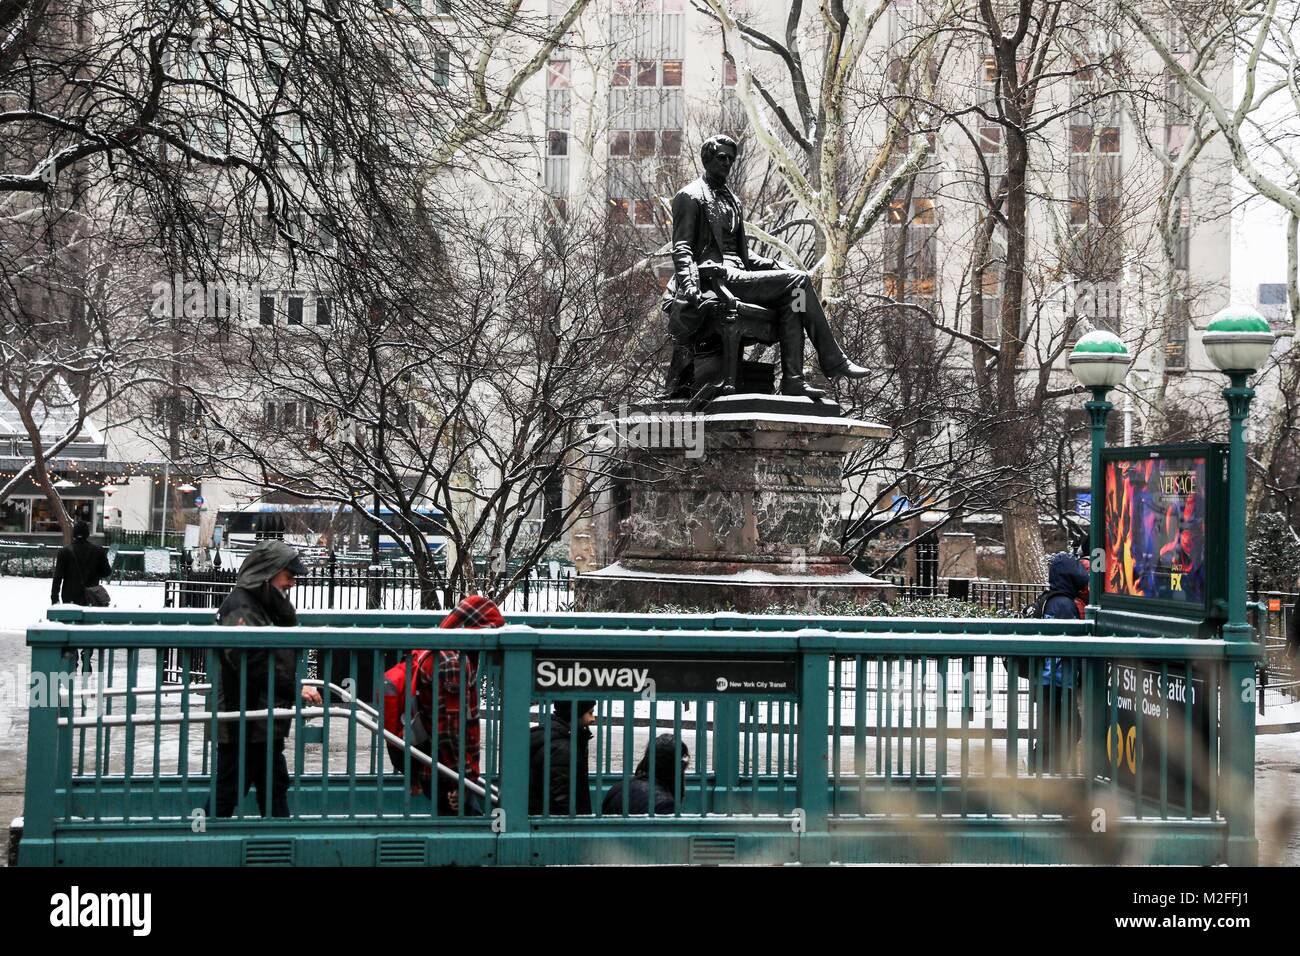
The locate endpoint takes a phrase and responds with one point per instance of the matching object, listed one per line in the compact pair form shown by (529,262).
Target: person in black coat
(566,741)
(258,599)
(79,566)
(667,787)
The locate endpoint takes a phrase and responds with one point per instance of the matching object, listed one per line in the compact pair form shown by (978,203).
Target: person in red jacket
(456,675)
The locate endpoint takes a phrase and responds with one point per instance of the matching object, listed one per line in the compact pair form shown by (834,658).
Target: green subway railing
(883,740)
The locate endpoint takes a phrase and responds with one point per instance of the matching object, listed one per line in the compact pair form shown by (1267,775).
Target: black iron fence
(36,560)
(1009,598)
(393,588)
(143,539)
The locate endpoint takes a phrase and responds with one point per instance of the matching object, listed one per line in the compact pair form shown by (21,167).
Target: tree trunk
(1026,556)
(41,473)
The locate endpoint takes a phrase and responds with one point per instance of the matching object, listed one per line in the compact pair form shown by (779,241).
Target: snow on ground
(1279,720)
(24,601)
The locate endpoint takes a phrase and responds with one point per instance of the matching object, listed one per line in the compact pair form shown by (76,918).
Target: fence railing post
(516,695)
(814,753)
(41,804)
(1237,749)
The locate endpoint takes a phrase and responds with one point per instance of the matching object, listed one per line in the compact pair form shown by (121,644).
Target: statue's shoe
(677,394)
(849,370)
(800,388)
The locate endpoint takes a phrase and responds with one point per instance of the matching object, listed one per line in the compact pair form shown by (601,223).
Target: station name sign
(704,674)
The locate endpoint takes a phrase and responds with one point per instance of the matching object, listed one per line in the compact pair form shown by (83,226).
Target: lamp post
(1238,341)
(1100,362)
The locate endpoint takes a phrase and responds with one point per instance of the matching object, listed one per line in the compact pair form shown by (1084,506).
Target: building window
(559,108)
(553,504)
(44,519)
(1095,304)
(14,515)
(182,409)
(176,511)
(288,414)
(1095,248)
(324,306)
(295,309)
(645,103)
(266,313)
(991,300)
(325,226)
(442,68)
(1176,337)
(1273,303)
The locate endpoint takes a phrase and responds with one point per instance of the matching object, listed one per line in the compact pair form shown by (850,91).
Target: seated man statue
(709,247)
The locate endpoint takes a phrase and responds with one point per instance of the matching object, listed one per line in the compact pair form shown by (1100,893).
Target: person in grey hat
(260,598)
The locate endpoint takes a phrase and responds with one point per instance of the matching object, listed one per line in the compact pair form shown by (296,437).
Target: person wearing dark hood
(259,599)
(568,745)
(78,570)
(1067,582)
(664,792)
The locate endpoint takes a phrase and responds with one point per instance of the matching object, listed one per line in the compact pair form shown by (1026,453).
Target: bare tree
(208,129)
(1259,38)
(469,395)
(814,132)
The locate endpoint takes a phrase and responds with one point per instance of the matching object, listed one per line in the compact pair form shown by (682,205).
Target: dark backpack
(1039,607)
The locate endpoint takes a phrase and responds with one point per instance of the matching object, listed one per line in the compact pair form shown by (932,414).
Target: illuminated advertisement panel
(1162,527)
(1155,528)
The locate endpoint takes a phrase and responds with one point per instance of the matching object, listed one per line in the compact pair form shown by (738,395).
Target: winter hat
(475,611)
(564,708)
(80,531)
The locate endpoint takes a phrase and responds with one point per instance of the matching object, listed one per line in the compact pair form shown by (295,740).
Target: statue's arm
(686,212)
(763,263)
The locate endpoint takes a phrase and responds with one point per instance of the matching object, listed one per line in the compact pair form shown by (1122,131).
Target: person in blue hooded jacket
(1067,580)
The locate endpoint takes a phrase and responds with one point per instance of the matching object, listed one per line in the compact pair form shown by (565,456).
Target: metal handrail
(363,713)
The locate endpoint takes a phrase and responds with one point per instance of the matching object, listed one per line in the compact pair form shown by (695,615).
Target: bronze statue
(721,292)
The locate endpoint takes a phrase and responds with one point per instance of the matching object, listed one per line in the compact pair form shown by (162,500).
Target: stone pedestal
(734,508)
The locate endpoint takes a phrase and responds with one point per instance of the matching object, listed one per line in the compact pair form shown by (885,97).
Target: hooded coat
(664,790)
(1066,582)
(255,603)
(562,749)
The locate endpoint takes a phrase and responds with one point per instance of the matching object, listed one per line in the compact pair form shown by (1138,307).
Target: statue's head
(719,154)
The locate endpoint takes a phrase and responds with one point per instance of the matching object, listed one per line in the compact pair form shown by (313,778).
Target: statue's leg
(730,356)
(790,334)
(791,294)
(806,309)
(680,369)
